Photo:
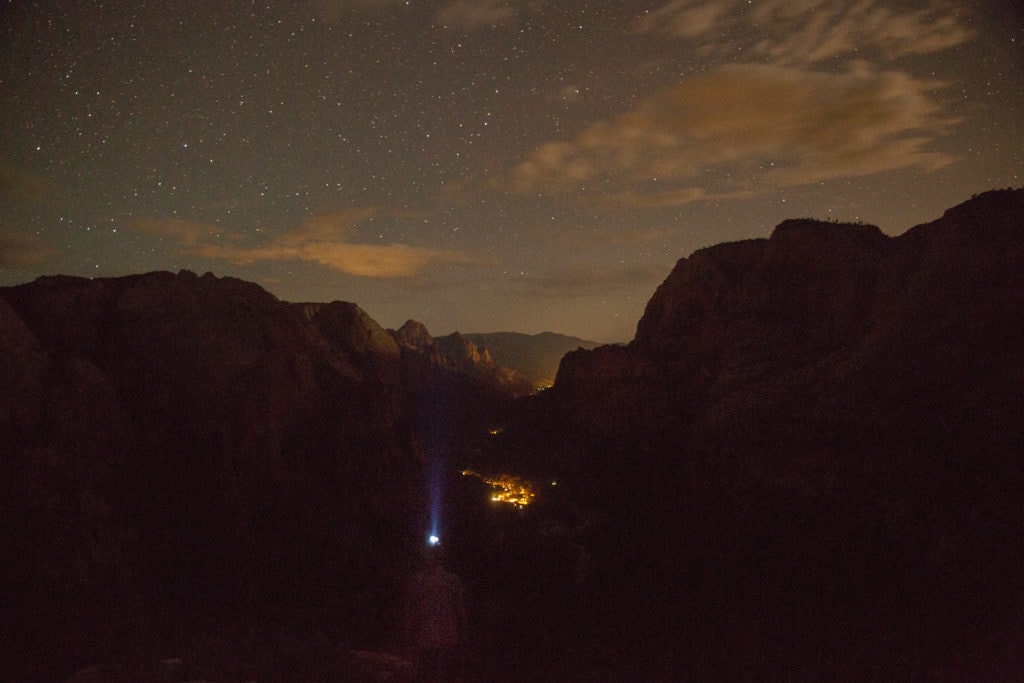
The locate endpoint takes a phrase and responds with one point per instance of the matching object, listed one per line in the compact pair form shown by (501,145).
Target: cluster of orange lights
(506,488)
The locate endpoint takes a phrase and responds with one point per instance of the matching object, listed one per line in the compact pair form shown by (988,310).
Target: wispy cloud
(334,11)
(325,239)
(17,186)
(364,260)
(188,233)
(471,15)
(682,18)
(629,235)
(807,31)
(21,252)
(639,199)
(743,127)
(459,15)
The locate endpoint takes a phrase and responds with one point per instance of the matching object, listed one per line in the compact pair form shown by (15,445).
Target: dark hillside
(184,446)
(819,439)
(808,464)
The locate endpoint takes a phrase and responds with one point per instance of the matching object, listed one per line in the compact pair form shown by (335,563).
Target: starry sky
(485,165)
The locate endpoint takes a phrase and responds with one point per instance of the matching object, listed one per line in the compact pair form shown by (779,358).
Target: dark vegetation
(808,464)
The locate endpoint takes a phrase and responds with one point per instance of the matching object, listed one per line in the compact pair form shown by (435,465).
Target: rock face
(452,390)
(819,435)
(414,335)
(463,352)
(806,464)
(353,334)
(184,444)
(460,355)
(831,325)
(192,441)
(535,357)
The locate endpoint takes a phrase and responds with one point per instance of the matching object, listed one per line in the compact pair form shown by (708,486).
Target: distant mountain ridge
(192,440)
(457,354)
(821,314)
(535,356)
(810,452)
(822,431)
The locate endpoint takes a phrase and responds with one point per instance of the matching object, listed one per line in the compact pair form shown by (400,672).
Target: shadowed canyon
(807,464)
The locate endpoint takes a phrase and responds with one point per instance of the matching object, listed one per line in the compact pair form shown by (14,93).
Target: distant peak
(413,334)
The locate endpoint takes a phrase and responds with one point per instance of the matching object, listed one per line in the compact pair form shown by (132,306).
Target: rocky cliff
(806,464)
(192,446)
(459,354)
(184,443)
(817,439)
(535,357)
(453,391)
(827,332)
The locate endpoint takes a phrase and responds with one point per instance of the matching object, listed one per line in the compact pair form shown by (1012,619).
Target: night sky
(485,165)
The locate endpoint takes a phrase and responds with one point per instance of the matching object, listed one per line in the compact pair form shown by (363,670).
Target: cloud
(327,228)
(589,281)
(806,31)
(18,186)
(623,235)
(325,239)
(682,18)
(334,11)
(741,128)
(188,233)
(472,15)
(363,260)
(459,15)
(20,252)
(633,199)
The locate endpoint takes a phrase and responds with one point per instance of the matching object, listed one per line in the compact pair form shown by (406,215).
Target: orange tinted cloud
(325,239)
(334,11)
(471,15)
(188,233)
(807,31)
(461,15)
(363,260)
(20,251)
(741,127)
(22,186)
(335,227)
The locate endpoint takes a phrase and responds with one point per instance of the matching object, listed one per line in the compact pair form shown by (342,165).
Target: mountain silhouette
(817,440)
(534,356)
(807,463)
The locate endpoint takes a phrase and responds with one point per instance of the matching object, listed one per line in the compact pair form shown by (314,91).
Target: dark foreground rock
(807,465)
(818,441)
(175,445)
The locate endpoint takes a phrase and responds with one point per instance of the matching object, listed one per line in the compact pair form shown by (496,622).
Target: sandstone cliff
(462,356)
(174,441)
(534,356)
(826,325)
(817,438)
(807,461)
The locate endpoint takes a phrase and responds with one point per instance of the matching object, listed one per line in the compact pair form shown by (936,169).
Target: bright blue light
(435,484)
